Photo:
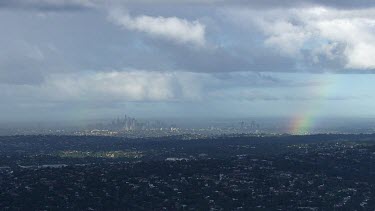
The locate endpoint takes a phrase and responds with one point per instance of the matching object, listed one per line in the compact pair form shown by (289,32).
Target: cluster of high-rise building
(253,125)
(127,123)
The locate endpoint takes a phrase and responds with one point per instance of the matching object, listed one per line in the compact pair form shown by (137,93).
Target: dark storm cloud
(21,72)
(347,4)
(45,5)
(214,59)
(73,5)
(220,60)
(293,3)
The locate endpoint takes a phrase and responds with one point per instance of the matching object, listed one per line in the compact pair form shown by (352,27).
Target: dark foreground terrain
(320,172)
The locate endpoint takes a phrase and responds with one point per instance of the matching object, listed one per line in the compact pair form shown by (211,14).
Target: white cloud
(132,86)
(122,86)
(318,30)
(290,41)
(172,28)
(357,33)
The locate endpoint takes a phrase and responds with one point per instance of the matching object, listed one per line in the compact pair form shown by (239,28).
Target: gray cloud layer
(177,52)
(47,5)
(61,5)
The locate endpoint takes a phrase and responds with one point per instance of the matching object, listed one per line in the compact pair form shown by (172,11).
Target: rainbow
(304,121)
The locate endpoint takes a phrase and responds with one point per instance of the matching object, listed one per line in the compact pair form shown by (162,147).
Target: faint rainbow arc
(304,121)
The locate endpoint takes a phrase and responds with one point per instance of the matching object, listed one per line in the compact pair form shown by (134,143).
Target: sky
(84,59)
